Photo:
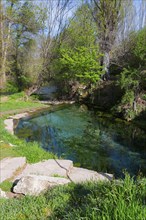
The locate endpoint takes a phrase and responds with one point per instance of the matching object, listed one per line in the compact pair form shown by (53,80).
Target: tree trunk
(5,41)
(105,63)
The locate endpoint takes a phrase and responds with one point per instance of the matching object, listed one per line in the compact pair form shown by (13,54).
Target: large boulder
(34,185)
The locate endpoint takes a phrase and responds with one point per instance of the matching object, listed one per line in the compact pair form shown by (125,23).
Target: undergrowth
(117,200)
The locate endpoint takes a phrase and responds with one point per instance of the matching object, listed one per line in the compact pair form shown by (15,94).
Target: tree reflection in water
(93,142)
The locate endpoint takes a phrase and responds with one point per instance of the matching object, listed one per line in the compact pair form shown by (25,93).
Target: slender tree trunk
(5,41)
(2,53)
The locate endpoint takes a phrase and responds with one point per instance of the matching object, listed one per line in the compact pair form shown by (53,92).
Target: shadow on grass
(99,200)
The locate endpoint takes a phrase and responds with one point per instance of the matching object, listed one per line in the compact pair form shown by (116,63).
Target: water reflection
(89,140)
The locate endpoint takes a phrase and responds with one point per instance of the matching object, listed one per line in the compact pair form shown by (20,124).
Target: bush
(11,87)
(131,82)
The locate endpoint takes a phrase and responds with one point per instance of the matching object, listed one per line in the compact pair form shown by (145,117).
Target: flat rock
(34,185)
(3,194)
(51,167)
(79,175)
(9,166)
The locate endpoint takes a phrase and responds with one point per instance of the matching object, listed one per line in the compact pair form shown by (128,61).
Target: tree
(132,79)
(81,64)
(20,22)
(5,35)
(107,15)
(78,53)
(55,21)
(25,27)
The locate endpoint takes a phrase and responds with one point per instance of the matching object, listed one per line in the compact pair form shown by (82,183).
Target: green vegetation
(125,199)
(7,151)
(132,80)
(85,58)
(81,63)
(6,186)
(32,151)
(18,101)
(74,45)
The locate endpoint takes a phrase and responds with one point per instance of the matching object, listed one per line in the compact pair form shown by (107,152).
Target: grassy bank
(13,146)
(10,145)
(125,200)
(17,101)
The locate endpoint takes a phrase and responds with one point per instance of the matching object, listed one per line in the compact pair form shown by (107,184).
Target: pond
(100,143)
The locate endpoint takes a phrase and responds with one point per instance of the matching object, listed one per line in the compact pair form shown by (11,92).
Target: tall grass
(125,200)
(122,200)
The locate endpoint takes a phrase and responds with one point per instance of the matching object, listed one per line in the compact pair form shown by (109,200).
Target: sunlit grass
(32,151)
(10,145)
(7,151)
(122,200)
(18,101)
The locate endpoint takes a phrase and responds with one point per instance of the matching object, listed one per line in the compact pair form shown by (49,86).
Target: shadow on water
(91,141)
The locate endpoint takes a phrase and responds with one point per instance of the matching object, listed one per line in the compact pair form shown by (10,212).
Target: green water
(91,141)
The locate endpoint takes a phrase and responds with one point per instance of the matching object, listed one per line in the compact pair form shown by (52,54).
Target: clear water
(91,141)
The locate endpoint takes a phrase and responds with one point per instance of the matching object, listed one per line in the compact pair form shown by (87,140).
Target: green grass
(32,151)
(17,101)
(6,186)
(123,200)
(7,151)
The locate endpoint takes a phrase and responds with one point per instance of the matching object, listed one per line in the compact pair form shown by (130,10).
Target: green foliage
(11,87)
(131,82)
(123,199)
(81,31)
(128,98)
(132,79)
(78,56)
(129,79)
(81,63)
(144,97)
(140,47)
(6,186)
(25,21)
